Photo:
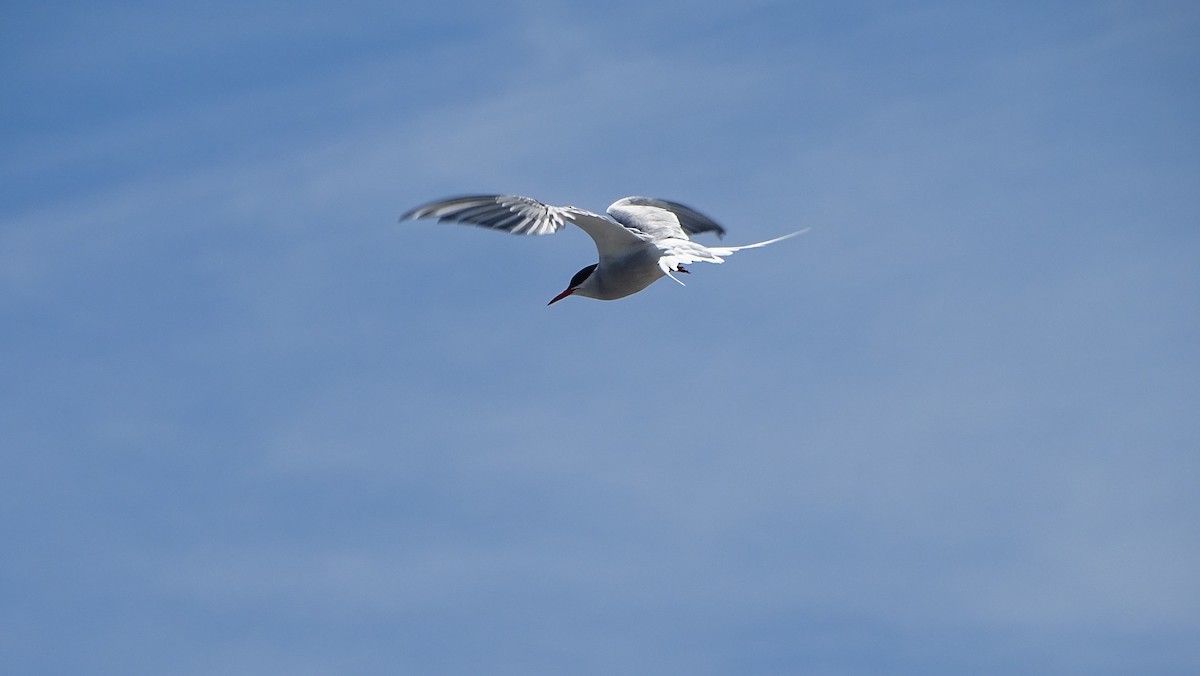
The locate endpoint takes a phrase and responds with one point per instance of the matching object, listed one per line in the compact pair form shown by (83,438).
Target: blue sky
(254,425)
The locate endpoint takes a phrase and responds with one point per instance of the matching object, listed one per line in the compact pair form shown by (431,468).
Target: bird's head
(577,281)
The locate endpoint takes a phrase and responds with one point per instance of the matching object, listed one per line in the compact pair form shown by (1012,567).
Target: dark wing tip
(431,208)
(693,222)
(507,213)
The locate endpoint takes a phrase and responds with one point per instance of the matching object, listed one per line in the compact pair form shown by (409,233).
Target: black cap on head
(582,275)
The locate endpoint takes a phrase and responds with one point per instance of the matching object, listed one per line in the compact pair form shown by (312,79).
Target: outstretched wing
(510,213)
(662,218)
(527,216)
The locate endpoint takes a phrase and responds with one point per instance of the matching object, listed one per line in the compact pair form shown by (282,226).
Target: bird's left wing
(509,213)
(527,216)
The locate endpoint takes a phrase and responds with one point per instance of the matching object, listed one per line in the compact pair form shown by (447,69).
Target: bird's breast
(621,277)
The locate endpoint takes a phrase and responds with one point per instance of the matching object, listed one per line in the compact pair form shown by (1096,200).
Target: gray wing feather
(693,222)
(527,216)
(509,213)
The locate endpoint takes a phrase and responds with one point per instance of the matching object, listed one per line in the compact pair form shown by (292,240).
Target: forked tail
(679,252)
(726,250)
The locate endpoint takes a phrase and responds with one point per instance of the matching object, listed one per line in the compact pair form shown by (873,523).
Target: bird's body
(624,274)
(639,241)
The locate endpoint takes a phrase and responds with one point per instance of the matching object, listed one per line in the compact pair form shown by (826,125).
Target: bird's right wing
(527,216)
(661,218)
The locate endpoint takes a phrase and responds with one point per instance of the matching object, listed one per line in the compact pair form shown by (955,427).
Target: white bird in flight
(639,240)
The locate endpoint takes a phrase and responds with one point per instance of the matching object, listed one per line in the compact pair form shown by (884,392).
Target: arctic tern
(639,240)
